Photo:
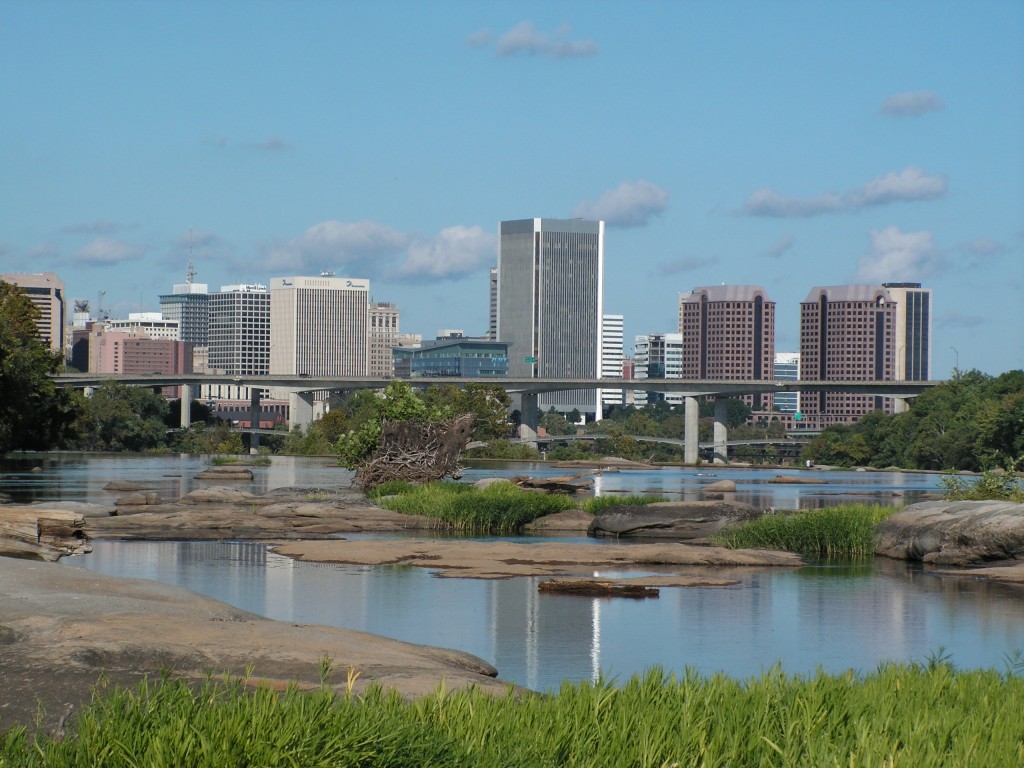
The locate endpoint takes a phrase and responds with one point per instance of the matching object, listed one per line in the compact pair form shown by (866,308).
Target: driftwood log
(46,534)
(596,588)
(416,453)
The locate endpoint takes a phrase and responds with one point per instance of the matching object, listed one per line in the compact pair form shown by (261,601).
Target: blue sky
(785,144)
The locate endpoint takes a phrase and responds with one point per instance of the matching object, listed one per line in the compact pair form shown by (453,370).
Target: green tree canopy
(35,414)
(122,418)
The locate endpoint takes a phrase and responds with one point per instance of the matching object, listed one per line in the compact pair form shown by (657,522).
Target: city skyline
(735,143)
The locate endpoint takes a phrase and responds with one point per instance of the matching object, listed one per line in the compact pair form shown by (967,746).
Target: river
(832,616)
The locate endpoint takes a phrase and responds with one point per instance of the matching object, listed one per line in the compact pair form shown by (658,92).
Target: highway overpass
(300,389)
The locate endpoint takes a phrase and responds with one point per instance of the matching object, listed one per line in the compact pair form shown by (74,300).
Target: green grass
(254,461)
(918,715)
(846,530)
(599,504)
(501,509)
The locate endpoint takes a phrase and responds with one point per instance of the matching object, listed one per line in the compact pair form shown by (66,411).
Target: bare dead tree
(415,452)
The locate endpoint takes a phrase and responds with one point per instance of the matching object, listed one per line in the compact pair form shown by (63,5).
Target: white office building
(612,356)
(550,296)
(239,334)
(153,325)
(787,368)
(319,326)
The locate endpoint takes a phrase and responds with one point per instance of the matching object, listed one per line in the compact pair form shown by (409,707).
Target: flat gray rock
(954,532)
(694,521)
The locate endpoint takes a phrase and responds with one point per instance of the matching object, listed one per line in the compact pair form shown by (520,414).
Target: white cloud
(105,251)
(910,184)
(781,247)
(524,38)
(631,204)
(363,246)
(768,202)
(911,104)
(455,252)
(685,264)
(897,256)
(371,250)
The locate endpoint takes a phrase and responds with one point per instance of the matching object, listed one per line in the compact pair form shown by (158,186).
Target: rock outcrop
(693,521)
(958,533)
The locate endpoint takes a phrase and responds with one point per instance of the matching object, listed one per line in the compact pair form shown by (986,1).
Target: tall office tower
(787,368)
(913,331)
(612,355)
(729,333)
(46,292)
(319,326)
(492,318)
(151,324)
(847,332)
(189,304)
(550,304)
(383,337)
(658,356)
(239,337)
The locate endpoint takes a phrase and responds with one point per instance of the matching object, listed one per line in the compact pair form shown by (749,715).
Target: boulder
(219,494)
(41,532)
(84,508)
(569,521)
(127,485)
(720,486)
(796,480)
(138,499)
(954,532)
(694,521)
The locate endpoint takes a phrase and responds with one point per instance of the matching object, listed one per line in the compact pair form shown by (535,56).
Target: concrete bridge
(300,391)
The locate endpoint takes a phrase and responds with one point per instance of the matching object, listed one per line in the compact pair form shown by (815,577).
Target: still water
(831,616)
(835,617)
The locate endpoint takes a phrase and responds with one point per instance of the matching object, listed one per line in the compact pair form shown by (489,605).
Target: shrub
(989,485)
(846,530)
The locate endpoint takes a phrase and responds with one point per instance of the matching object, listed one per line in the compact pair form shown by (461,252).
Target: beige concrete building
(319,326)
(383,337)
(46,292)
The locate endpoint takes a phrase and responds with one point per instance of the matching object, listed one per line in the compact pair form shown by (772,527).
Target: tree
(35,414)
(122,418)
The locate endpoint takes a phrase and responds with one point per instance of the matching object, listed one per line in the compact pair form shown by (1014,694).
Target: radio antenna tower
(190,274)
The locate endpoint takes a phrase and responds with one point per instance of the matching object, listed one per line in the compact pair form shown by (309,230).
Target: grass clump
(500,509)
(845,530)
(254,461)
(599,504)
(921,715)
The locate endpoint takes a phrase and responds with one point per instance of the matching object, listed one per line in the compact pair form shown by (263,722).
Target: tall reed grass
(500,509)
(846,530)
(599,504)
(919,716)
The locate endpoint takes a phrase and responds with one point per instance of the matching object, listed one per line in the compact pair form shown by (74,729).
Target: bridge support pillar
(186,405)
(720,438)
(528,418)
(900,405)
(254,420)
(300,409)
(691,434)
